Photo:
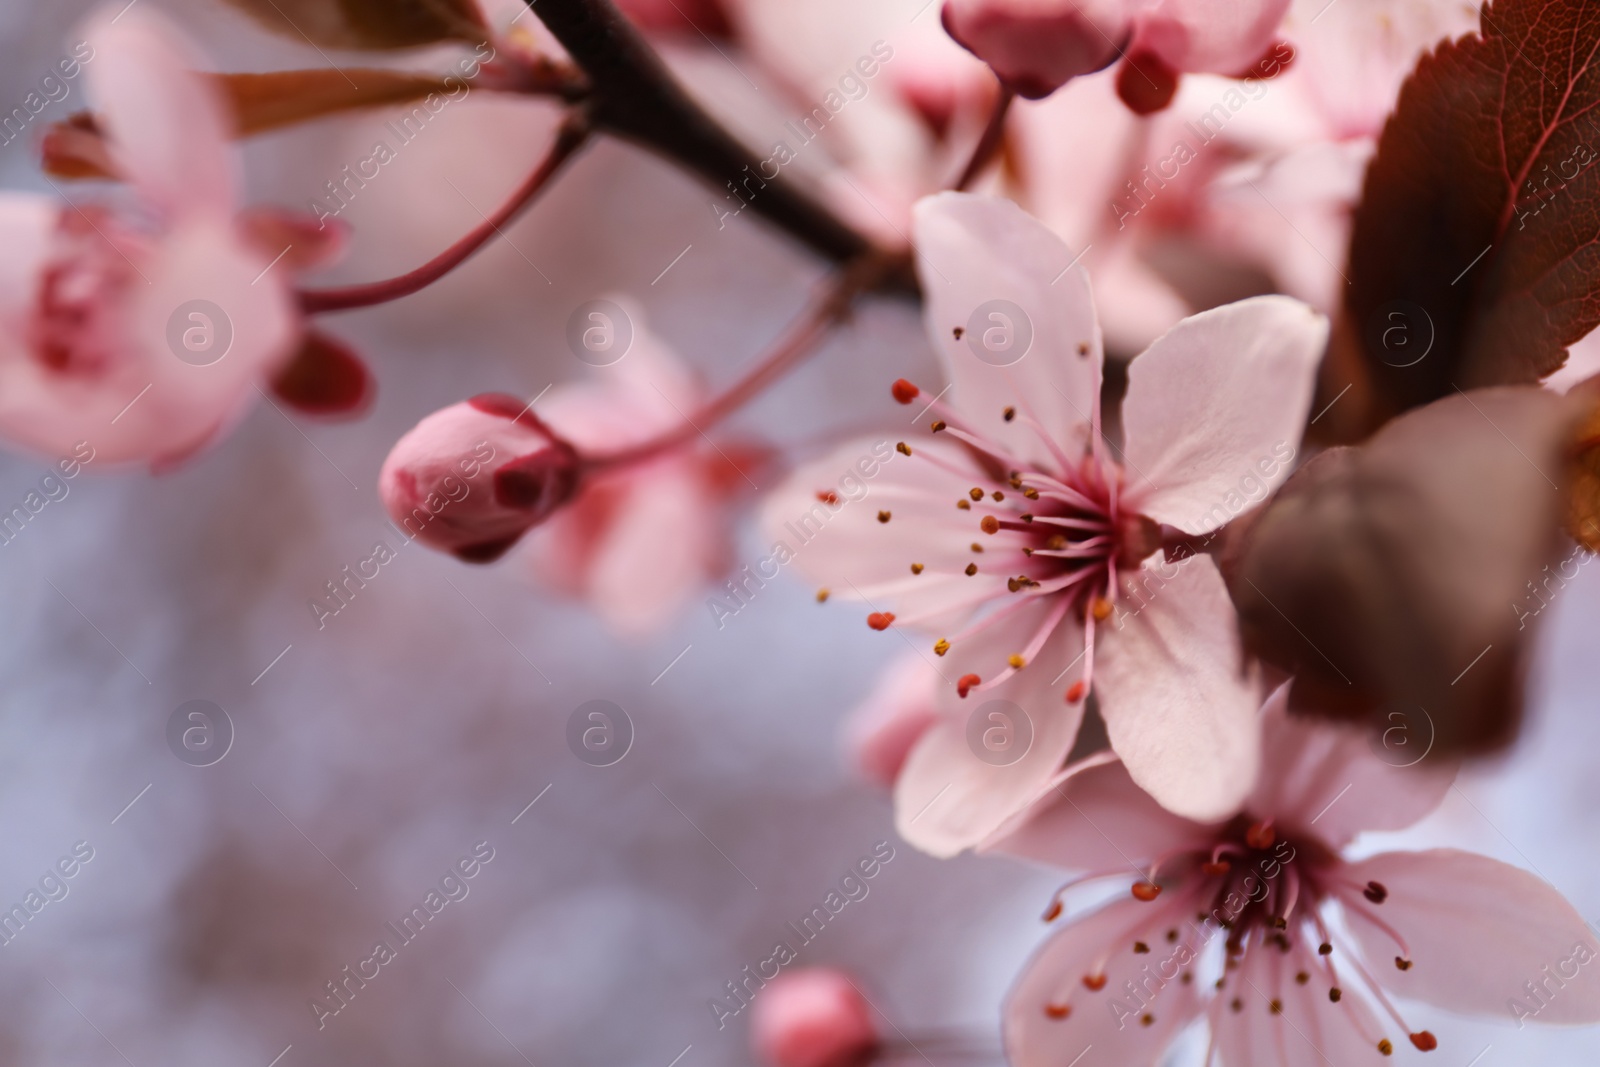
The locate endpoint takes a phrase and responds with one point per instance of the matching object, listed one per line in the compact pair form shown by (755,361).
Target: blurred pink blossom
(641,539)
(144,326)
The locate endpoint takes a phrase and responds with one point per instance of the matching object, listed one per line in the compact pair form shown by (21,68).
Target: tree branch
(638,99)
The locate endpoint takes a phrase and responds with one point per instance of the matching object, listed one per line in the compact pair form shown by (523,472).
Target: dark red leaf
(1406,573)
(1474,258)
(368,24)
(325,378)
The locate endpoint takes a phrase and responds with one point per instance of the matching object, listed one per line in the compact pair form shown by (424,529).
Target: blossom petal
(1104,1027)
(1305,1027)
(1478,930)
(26,222)
(645,392)
(974,251)
(1100,821)
(1342,779)
(171,135)
(664,542)
(948,799)
(1215,409)
(1180,707)
(882,731)
(146,404)
(1214,36)
(827,517)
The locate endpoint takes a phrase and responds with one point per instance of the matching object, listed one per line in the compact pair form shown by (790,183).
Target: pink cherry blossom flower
(641,538)
(1258,924)
(1037,46)
(472,478)
(813,1018)
(143,327)
(1034,553)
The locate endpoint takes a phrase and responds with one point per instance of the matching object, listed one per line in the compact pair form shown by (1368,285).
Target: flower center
(1058,530)
(1251,891)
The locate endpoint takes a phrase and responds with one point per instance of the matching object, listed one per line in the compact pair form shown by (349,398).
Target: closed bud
(813,1018)
(472,478)
(1036,46)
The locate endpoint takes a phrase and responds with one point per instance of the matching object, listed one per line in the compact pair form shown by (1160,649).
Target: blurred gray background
(372,754)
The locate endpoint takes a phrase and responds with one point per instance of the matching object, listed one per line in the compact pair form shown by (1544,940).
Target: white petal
(974,250)
(1180,708)
(1478,931)
(1216,407)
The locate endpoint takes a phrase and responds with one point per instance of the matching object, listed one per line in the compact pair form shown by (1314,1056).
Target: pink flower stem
(799,341)
(574,133)
(983,152)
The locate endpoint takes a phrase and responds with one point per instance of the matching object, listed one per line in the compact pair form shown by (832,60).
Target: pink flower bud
(813,1018)
(1037,46)
(472,478)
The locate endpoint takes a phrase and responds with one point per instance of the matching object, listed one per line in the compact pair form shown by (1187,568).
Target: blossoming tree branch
(1262,425)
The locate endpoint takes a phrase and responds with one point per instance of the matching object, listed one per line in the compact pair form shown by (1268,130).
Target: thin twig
(800,340)
(989,143)
(574,133)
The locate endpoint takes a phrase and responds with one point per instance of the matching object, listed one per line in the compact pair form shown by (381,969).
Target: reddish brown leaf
(324,378)
(1403,573)
(368,24)
(282,97)
(1474,259)
(76,148)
